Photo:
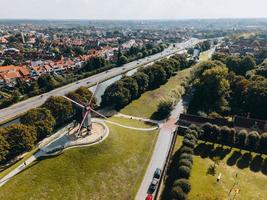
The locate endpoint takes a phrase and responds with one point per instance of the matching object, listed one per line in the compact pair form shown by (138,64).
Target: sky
(132,9)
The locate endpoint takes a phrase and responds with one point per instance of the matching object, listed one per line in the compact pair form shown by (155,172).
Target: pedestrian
(25,163)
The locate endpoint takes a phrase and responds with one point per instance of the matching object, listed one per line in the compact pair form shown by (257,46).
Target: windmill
(86,113)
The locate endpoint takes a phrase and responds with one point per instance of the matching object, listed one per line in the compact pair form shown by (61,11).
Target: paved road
(161,150)
(164,143)
(33,102)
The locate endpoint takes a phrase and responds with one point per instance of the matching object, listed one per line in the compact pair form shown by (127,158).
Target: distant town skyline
(132,9)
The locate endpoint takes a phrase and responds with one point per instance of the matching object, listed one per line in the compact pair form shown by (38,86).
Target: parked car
(153,185)
(157,173)
(149,197)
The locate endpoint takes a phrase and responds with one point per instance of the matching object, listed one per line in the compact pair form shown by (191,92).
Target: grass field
(147,104)
(251,170)
(112,169)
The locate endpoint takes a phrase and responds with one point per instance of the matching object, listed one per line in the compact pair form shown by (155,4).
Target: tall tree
(21,138)
(61,109)
(4,145)
(41,119)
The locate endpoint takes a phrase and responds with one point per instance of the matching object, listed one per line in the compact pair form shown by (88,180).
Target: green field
(243,172)
(147,104)
(112,169)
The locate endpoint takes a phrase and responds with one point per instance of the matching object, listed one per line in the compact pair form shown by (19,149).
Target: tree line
(122,92)
(38,123)
(252,141)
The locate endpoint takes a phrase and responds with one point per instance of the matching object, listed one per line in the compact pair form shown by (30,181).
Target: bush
(185,162)
(178,194)
(183,184)
(184,172)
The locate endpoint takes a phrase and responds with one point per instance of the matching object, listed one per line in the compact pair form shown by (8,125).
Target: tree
(184,172)
(4,145)
(242,138)
(185,162)
(131,84)
(8,61)
(122,60)
(225,132)
(94,63)
(21,138)
(164,109)
(47,82)
(186,156)
(178,194)
(257,97)
(187,149)
(184,184)
(116,95)
(142,81)
(212,92)
(61,109)
(234,64)
(86,95)
(41,119)
(247,63)
(263,143)
(252,140)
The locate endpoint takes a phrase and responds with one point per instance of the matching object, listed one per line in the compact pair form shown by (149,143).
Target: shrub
(189,143)
(186,156)
(195,133)
(252,140)
(186,149)
(178,194)
(184,172)
(185,162)
(242,138)
(207,128)
(190,137)
(263,143)
(184,184)
(224,134)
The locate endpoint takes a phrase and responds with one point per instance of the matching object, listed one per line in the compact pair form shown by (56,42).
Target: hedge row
(182,186)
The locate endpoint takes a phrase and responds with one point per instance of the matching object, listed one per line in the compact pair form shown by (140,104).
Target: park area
(243,175)
(112,169)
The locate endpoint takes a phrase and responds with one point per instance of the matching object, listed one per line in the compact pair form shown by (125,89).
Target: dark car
(153,185)
(157,173)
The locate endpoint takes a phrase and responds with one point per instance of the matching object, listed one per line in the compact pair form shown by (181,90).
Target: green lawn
(26,156)
(251,180)
(110,170)
(147,104)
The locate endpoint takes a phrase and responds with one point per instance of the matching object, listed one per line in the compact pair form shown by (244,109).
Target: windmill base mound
(98,132)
